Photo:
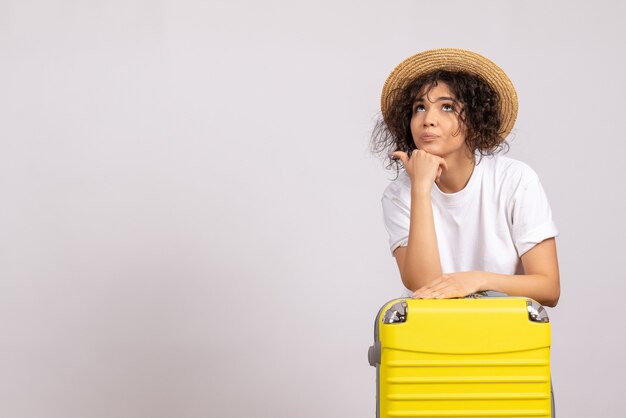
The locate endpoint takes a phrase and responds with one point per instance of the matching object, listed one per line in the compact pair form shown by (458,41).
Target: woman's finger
(402,156)
(449,291)
(427,289)
(437,291)
(443,164)
(430,285)
(437,285)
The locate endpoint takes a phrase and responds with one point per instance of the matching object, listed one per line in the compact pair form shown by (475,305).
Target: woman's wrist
(488,281)
(420,191)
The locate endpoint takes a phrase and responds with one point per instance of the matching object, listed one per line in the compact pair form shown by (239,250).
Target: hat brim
(453,59)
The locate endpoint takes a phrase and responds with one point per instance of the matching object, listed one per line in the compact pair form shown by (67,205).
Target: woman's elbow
(414,282)
(552,299)
(409,283)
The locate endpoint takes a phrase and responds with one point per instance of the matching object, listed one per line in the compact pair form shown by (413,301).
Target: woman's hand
(423,168)
(455,285)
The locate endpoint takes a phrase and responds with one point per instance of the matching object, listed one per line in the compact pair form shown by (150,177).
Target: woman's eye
(447,107)
(418,108)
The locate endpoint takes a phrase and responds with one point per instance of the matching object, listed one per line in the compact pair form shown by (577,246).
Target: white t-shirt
(500,214)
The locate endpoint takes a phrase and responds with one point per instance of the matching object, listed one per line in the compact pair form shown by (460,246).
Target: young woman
(461,218)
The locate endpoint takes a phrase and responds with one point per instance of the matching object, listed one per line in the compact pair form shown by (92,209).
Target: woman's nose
(429,119)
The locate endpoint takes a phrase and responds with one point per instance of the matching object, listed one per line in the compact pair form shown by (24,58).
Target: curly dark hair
(479,114)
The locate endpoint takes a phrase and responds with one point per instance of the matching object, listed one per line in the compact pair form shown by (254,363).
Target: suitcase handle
(486,294)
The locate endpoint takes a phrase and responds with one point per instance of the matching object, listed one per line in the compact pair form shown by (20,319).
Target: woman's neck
(459,171)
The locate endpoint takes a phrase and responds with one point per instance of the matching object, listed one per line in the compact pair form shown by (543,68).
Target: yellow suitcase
(472,357)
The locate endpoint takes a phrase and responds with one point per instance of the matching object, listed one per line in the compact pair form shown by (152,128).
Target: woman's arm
(419,261)
(540,281)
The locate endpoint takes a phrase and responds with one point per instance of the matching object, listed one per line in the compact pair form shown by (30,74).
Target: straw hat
(454,60)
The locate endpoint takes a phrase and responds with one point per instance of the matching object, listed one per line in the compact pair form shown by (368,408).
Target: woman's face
(435,125)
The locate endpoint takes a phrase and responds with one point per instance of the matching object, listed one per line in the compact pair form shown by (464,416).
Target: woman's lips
(428,137)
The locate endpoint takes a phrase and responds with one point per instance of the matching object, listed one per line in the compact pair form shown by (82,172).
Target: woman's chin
(431,149)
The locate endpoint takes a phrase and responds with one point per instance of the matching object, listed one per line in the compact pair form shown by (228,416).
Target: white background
(190,221)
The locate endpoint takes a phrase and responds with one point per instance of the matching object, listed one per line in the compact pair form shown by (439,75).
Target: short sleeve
(531,216)
(397,216)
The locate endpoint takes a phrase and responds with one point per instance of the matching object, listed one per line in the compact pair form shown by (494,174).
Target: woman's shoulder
(508,170)
(399,188)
